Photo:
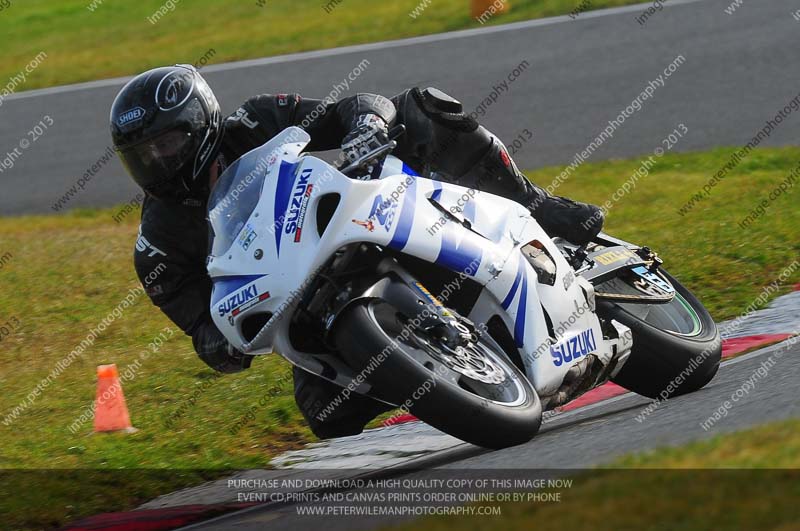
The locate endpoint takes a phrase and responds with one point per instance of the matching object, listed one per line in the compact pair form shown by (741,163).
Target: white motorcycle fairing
(266,253)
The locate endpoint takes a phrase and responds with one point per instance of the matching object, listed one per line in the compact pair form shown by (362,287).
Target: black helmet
(166,126)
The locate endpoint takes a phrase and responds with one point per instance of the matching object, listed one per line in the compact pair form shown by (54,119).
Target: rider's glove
(227,360)
(235,361)
(218,354)
(371,132)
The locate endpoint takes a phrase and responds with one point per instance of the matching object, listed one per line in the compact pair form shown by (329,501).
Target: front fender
(401,290)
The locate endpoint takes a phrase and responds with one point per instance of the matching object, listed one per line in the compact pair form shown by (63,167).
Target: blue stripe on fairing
(403,230)
(408,171)
(224,286)
(469,210)
(459,257)
(519,324)
(513,291)
(437,191)
(283,193)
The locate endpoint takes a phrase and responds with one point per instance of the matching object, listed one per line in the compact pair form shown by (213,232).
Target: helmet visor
(154,163)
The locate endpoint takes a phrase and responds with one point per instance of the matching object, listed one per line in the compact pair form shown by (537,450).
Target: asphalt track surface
(740,70)
(590,436)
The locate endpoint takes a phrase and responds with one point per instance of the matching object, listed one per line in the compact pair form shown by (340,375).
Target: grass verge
(727,266)
(93,39)
(61,275)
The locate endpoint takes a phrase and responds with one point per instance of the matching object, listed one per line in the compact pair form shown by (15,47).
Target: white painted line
(359,48)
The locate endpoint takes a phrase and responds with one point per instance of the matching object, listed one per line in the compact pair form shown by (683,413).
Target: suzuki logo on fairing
(383,211)
(298,205)
(236,300)
(573,348)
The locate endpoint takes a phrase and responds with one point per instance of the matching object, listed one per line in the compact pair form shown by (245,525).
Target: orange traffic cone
(110,409)
(485,9)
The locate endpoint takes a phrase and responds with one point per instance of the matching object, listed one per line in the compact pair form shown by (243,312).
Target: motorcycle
(449,302)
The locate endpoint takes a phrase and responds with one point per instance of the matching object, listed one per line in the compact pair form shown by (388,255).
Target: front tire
(488,403)
(676,346)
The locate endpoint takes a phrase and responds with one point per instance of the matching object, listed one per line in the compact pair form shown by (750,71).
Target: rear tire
(663,362)
(369,328)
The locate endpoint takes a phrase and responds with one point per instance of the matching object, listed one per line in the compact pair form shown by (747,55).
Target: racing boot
(496,173)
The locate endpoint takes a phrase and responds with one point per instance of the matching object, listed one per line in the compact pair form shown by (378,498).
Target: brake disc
(472,363)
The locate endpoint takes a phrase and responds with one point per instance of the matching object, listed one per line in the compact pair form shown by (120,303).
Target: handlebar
(364,160)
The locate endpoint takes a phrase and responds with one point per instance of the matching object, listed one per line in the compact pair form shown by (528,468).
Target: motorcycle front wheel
(472,392)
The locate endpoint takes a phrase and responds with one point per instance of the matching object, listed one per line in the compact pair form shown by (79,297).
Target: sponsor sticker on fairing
(236,300)
(383,210)
(246,237)
(367,224)
(296,215)
(249,304)
(572,348)
(241,301)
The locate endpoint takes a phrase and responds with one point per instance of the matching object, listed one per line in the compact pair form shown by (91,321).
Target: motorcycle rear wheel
(676,346)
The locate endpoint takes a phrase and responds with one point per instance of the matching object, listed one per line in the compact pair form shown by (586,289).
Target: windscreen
(235,196)
(237,191)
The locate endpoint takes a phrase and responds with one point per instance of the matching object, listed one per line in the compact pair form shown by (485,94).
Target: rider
(171,137)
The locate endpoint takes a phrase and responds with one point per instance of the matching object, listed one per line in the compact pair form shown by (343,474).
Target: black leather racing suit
(439,137)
